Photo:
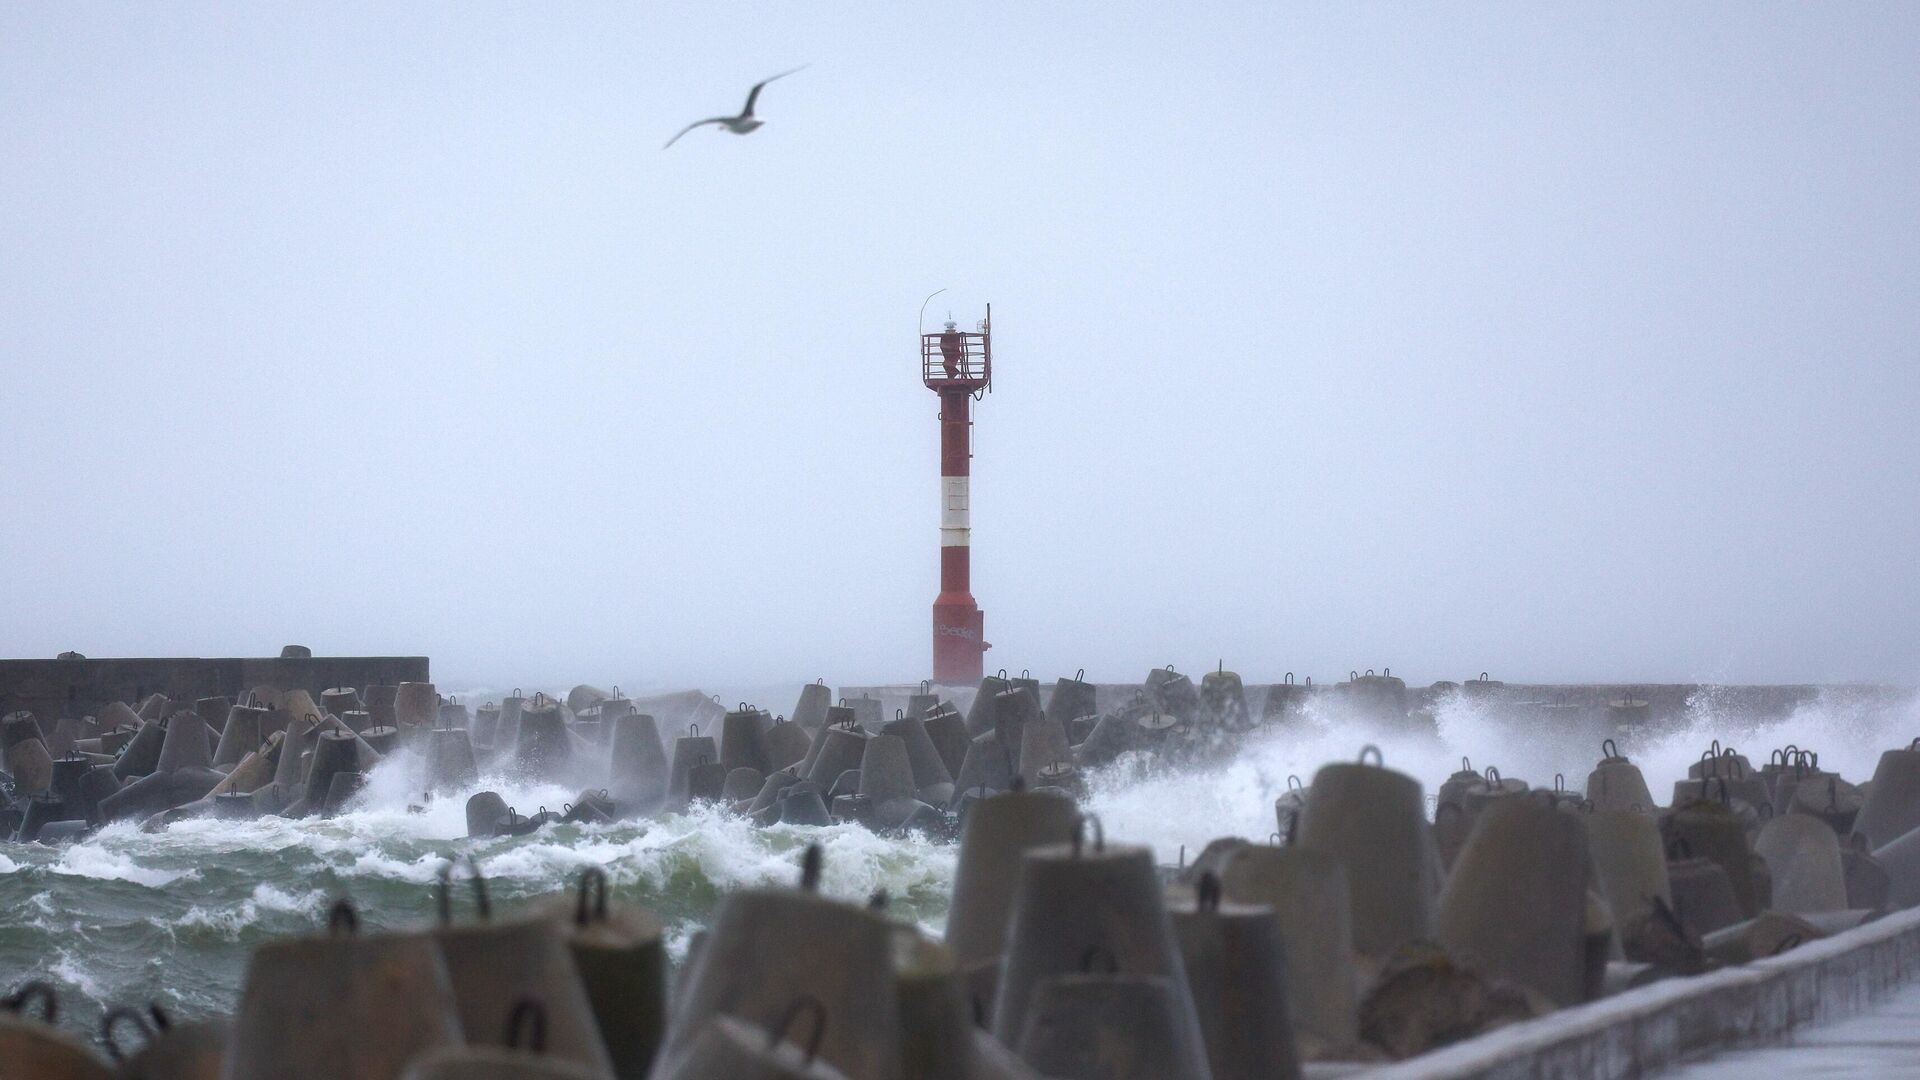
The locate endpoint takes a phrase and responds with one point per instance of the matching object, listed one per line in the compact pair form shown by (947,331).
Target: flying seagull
(746,121)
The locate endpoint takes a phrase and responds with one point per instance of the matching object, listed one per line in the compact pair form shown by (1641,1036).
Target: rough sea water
(128,917)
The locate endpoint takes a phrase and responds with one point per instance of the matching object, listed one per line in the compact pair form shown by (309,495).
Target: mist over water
(127,916)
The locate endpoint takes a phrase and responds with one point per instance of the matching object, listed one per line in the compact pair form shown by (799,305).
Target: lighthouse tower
(957,365)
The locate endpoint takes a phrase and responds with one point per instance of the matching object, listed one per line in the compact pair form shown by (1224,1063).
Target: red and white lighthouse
(957,365)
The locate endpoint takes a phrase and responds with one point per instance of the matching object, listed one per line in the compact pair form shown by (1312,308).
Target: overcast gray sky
(1564,341)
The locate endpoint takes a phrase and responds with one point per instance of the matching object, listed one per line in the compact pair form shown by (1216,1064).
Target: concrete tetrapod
(768,948)
(1077,899)
(143,753)
(637,774)
(543,749)
(994,840)
(734,1049)
(183,744)
(1892,805)
(1013,710)
(989,764)
(451,765)
(810,711)
(689,751)
(1043,744)
(622,961)
(980,715)
(1071,699)
(1111,1026)
(341,1006)
(841,748)
(740,741)
(341,700)
(948,731)
(194,1050)
(382,701)
(1223,700)
(494,965)
(1867,881)
(1616,783)
(1236,970)
(1803,855)
(1900,859)
(886,779)
(1832,800)
(242,735)
(930,773)
(1373,821)
(1713,830)
(35,1049)
(786,745)
(1515,905)
(936,1021)
(1307,891)
(1630,864)
(742,784)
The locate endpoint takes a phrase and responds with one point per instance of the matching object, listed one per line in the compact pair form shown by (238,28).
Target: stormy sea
(168,917)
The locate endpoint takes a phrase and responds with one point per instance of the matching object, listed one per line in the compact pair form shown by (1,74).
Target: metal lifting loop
(1289,682)
(37,989)
(1294,784)
(342,918)
(1483,677)
(804,1003)
(1465,765)
(111,1022)
(1378,759)
(693,731)
(593,881)
(444,889)
(1079,833)
(1002,676)
(1492,776)
(1607,748)
(1080,675)
(527,1026)
(1559,783)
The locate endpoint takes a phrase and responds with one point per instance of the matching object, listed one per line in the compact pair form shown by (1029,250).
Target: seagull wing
(753,95)
(695,124)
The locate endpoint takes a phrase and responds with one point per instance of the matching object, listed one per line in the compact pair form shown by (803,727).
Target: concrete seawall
(1641,1031)
(52,689)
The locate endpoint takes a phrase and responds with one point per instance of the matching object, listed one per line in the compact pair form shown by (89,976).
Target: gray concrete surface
(1644,1031)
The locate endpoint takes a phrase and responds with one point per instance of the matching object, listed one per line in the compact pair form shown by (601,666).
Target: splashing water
(1171,810)
(126,917)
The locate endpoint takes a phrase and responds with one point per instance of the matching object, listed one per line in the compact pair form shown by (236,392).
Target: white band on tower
(954,515)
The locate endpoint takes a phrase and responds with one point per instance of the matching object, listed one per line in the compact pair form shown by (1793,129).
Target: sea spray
(125,916)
